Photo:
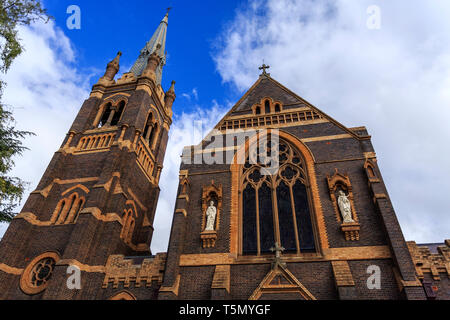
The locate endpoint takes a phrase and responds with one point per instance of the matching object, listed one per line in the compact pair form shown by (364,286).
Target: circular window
(36,276)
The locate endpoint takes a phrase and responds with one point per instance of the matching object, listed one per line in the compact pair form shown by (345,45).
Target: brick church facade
(315,221)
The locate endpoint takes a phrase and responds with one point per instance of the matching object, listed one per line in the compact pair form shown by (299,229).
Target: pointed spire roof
(156,44)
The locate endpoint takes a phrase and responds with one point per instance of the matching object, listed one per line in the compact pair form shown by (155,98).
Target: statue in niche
(345,207)
(211,213)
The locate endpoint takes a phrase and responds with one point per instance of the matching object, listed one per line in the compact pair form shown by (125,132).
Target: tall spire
(156,44)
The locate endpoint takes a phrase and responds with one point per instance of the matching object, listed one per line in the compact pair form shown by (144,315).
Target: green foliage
(13,13)
(11,188)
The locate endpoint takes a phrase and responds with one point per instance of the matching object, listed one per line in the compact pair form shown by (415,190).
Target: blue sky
(110,26)
(393,79)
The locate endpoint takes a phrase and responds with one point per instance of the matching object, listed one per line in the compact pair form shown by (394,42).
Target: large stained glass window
(275,205)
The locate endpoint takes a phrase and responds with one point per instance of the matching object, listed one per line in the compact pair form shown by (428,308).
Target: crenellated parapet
(436,263)
(139,271)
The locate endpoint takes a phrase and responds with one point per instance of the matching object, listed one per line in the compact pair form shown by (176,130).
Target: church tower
(96,201)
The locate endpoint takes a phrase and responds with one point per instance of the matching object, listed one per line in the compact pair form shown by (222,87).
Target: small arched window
(277,107)
(371,172)
(151,130)
(258,110)
(105,115)
(128,224)
(110,114)
(153,136)
(267,106)
(68,210)
(276,206)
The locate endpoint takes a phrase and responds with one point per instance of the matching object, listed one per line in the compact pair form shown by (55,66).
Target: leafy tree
(13,13)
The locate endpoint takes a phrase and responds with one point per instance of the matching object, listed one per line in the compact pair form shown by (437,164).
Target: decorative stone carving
(127,78)
(345,207)
(341,196)
(211,213)
(351,231)
(211,195)
(209,239)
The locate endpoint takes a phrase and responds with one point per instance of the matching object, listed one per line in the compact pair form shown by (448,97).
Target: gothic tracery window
(42,272)
(275,207)
(38,273)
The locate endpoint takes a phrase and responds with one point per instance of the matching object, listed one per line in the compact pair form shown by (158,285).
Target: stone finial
(152,64)
(117,59)
(170,96)
(111,70)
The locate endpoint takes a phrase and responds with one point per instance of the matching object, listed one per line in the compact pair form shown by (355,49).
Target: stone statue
(211,217)
(345,207)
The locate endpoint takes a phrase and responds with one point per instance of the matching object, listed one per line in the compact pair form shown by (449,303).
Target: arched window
(151,130)
(105,115)
(148,127)
(267,106)
(276,206)
(277,107)
(128,224)
(109,114)
(153,136)
(258,110)
(68,210)
(118,113)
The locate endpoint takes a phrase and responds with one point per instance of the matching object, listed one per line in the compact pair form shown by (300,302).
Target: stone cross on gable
(263,68)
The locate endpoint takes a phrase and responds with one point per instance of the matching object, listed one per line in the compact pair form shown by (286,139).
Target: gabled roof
(264,87)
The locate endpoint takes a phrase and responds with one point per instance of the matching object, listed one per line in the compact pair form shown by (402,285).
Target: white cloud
(187,129)
(195,93)
(394,80)
(46,91)
(192,95)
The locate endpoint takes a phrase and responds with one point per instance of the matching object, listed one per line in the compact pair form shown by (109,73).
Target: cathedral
(279,201)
